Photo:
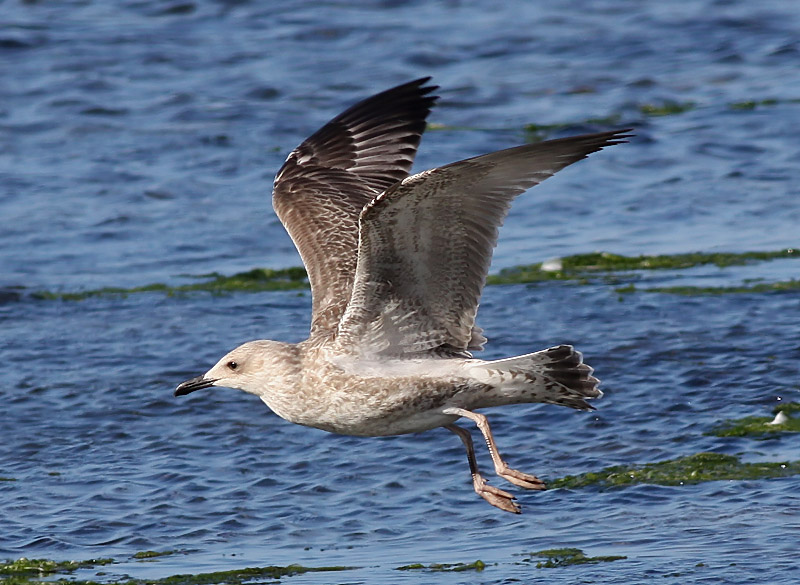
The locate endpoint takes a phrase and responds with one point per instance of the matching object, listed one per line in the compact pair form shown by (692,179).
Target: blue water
(138,141)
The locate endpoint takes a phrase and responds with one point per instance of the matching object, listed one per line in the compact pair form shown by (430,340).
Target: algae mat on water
(564,557)
(39,571)
(763,287)
(537,132)
(26,568)
(256,280)
(684,470)
(444,567)
(579,268)
(584,265)
(152,554)
(762,427)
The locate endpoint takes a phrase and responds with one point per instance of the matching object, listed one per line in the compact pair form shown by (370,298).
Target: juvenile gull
(396,265)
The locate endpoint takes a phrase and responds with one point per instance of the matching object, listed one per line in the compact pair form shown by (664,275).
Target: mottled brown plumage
(327,180)
(397,264)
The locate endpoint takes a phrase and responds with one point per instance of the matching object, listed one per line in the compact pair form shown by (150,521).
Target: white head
(249,367)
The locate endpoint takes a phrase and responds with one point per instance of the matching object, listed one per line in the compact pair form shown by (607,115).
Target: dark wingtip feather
(609,138)
(567,368)
(620,136)
(574,148)
(387,125)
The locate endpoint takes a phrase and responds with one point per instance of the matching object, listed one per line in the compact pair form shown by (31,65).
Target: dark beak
(190,386)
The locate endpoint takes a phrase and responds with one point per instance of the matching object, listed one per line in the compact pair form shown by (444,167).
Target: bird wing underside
(426,244)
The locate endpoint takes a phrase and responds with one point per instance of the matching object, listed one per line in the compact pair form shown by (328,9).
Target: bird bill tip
(193,384)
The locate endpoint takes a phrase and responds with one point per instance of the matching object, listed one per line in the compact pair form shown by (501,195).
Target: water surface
(138,142)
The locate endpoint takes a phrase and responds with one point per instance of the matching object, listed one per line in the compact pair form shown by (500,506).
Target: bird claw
(523,480)
(496,497)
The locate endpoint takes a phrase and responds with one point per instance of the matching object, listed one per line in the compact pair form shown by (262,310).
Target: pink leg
(524,480)
(495,496)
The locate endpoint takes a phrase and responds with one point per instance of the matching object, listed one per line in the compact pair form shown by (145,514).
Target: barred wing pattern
(326,181)
(425,246)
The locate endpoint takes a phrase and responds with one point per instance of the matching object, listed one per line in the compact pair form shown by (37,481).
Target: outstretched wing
(326,181)
(426,244)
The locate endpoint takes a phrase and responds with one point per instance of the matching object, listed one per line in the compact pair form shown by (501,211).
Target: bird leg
(495,496)
(524,480)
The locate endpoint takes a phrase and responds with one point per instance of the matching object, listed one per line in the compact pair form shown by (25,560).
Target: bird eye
(233,365)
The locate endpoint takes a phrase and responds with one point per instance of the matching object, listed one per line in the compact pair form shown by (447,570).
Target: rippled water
(138,141)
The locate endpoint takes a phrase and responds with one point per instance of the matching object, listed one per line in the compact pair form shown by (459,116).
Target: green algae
(536,132)
(256,280)
(787,408)
(754,426)
(752,104)
(539,132)
(667,108)
(440,567)
(579,268)
(764,287)
(564,557)
(583,265)
(238,576)
(670,108)
(755,104)
(696,468)
(759,426)
(151,554)
(25,568)
(38,571)
(605,261)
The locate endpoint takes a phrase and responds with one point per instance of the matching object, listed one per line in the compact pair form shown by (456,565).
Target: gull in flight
(397,264)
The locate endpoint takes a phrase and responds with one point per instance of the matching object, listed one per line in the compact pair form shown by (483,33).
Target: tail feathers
(569,371)
(556,375)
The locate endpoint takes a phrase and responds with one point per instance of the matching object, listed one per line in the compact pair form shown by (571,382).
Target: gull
(397,264)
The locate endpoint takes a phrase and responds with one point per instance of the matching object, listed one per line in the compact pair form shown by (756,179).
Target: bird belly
(370,406)
(387,426)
